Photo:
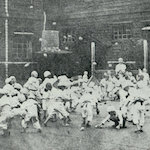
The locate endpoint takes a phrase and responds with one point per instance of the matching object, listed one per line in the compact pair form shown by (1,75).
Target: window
(145,34)
(17,4)
(69,36)
(122,31)
(22,47)
(22,25)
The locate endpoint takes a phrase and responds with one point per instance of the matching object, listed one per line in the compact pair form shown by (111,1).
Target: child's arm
(103,122)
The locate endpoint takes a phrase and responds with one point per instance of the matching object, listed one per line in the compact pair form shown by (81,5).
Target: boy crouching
(31,108)
(115,116)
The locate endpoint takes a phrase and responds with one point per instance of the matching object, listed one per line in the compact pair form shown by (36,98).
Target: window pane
(122,31)
(20,47)
(124,36)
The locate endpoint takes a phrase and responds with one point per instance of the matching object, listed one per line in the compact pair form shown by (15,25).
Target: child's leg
(44,108)
(142,120)
(84,116)
(83,122)
(89,114)
(36,124)
(116,123)
(61,109)
(124,122)
(24,125)
(97,109)
(136,119)
(4,127)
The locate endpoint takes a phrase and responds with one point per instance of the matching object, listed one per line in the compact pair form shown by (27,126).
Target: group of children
(132,92)
(39,101)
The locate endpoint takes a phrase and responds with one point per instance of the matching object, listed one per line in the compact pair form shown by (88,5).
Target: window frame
(122,31)
(21,48)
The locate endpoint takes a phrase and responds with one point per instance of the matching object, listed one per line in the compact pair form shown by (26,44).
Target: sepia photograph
(74,74)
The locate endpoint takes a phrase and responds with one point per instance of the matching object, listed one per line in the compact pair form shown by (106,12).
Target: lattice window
(22,25)
(145,34)
(22,47)
(17,4)
(122,31)
(69,36)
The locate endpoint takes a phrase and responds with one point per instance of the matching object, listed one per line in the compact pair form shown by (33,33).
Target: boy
(139,114)
(31,113)
(87,108)
(115,116)
(121,67)
(56,105)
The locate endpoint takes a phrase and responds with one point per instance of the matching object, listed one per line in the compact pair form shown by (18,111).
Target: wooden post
(145,47)
(6,48)
(6,38)
(92,58)
(44,22)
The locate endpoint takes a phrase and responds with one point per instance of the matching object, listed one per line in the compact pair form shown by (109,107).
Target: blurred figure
(85,77)
(32,85)
(139,114)
(121,67)
(115,116)
(104,85)
(146,76)
(87,104)
(31,113)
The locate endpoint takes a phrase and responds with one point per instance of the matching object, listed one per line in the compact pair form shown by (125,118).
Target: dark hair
(48,86)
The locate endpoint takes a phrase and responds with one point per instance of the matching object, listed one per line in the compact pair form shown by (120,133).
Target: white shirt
(32,84)
(31,106)
(85,78)
(104,83)
(87,97)
(146,76)
(120,67)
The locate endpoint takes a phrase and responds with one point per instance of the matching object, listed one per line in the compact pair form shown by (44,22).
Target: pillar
(145,47)
(92,58)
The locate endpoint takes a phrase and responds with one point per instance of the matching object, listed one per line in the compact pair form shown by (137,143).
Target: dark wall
(94,20)
(21,18)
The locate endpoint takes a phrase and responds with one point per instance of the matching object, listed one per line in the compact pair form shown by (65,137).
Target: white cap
(17,86)
(3,91)
(31,96)
(47,73)
(105,74)
(12,77)
(8,80)
(130,73)
(64,81)
(85,72)
(34,74)
(24,91)
(109,72)
(4,103)
(80,77)
(63,78)
(144,70)
(120,59)
(111,108)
